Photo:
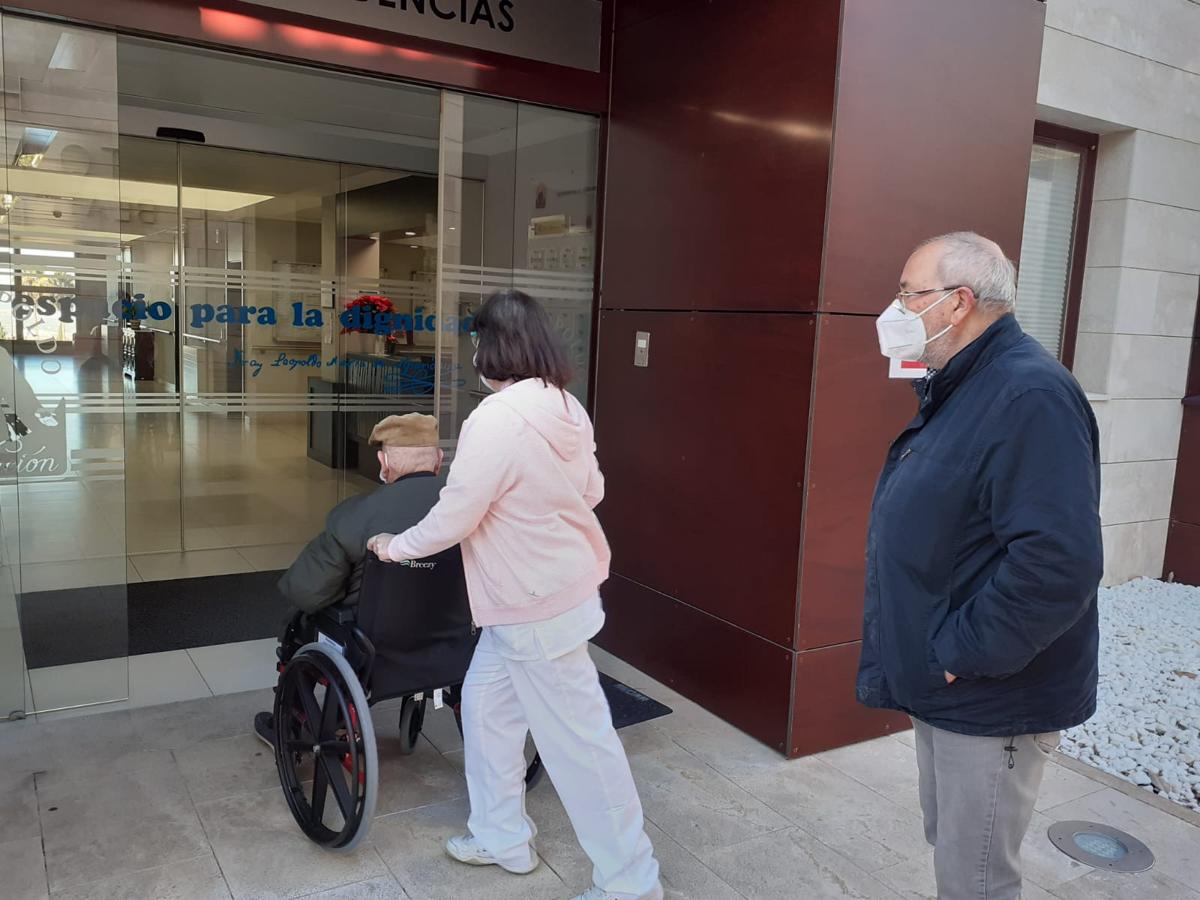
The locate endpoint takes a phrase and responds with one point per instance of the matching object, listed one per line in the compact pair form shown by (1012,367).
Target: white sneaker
(466,849)
(595,893)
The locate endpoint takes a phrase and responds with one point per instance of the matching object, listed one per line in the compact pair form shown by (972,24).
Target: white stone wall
(1130,71)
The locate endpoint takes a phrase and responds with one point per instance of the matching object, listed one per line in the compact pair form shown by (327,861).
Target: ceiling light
(410,234)
(32,147)
(40,183)
(413,247)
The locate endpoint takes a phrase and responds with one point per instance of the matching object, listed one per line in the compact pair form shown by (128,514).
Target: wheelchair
(410,636)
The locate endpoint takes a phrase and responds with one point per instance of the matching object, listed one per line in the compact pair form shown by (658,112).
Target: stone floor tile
(22,747)
(265,856)
(178,726)
(410,782)
(1042,862)
(684,877)
(718,744)
(412,844)
(843,814)
(119,823)
(90,745)
(696,806)
(885,765)
(793,864)
(915,880)
(1062,785)
(439,726)
(214,770)
(237,667)
(194,879)
(23,869)
(1097,885)
(1175,842)
(385,888)
(18,808)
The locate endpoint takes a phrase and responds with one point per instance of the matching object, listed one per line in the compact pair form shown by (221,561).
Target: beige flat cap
(412,430)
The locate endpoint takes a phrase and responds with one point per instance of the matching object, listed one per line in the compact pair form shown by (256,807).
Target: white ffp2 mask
(902,333)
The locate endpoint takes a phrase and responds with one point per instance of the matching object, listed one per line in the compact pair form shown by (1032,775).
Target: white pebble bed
(1147,724)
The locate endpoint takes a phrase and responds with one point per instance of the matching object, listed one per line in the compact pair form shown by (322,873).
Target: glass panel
(518,210)
(554,244)
(1049,236)
(387,305)
(259,246)
(63,461)
(478,174)
(13,681)
(147,335)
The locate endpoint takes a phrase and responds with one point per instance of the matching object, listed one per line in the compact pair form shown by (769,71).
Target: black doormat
(630,706)
(85,624)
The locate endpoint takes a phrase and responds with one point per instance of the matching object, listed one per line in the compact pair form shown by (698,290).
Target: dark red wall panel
(742,678)
(935,115)
(1185,506)
(1183,553)
(631,12)
(1183,540)
(857,412)
(718,157)
(825,713)
(703,452)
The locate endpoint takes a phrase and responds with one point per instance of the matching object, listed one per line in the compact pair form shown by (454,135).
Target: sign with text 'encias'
(564,32)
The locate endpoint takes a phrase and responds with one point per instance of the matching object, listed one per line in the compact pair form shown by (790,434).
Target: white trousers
(561,703)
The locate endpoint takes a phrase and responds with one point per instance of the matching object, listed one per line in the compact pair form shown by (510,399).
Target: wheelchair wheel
(412,718)
(534,770)
(325,748)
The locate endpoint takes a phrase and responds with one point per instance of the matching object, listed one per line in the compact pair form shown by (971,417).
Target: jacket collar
(935,388)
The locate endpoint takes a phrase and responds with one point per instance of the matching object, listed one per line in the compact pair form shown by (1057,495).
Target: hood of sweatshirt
(554,414)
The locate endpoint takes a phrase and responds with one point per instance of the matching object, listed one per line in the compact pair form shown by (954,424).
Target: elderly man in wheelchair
(351,644)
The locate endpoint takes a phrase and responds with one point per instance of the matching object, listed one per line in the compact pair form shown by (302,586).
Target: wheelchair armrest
(337,614)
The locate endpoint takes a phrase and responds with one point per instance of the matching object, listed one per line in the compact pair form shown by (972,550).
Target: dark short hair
(517,341)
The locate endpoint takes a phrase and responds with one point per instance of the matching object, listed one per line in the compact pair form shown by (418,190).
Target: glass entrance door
(270,396)
(197,338)
(62,449)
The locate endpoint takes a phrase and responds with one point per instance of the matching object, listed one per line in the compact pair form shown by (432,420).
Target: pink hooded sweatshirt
(519,498)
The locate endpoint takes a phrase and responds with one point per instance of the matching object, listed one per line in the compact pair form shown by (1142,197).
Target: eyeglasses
(902,296)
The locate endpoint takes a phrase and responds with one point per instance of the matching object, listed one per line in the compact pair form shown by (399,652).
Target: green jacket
(329,569)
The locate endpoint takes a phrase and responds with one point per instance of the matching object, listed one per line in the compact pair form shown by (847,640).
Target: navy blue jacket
(984,555)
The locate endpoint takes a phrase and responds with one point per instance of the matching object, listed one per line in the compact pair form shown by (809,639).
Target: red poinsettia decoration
(372,303)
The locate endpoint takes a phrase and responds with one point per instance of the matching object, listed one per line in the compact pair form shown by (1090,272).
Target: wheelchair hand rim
(314,662)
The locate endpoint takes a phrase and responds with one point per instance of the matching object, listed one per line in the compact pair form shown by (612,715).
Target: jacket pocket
(937,620)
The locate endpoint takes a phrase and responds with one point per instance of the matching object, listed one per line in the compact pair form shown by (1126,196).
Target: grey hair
(415,459)
(973,261)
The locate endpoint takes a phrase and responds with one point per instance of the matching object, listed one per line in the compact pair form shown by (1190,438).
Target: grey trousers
(977,796)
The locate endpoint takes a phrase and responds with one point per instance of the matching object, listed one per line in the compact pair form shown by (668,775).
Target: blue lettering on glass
(136,306)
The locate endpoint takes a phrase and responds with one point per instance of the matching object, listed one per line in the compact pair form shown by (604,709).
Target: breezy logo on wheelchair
(416,564)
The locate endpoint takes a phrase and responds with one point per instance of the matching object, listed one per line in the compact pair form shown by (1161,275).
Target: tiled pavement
(180,802)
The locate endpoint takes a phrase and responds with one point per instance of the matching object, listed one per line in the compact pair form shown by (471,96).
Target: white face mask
(902,333)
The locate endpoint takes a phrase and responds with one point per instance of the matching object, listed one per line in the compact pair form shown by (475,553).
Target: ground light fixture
(1101,847)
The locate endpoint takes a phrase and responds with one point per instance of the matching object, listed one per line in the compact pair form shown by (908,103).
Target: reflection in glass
(62,474)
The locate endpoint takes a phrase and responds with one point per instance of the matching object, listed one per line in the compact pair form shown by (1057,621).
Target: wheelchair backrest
(408,607)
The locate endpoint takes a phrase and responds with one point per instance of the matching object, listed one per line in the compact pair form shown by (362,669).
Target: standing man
(983,559)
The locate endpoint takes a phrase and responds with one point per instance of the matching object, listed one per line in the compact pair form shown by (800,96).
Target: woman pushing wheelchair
(519,498)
